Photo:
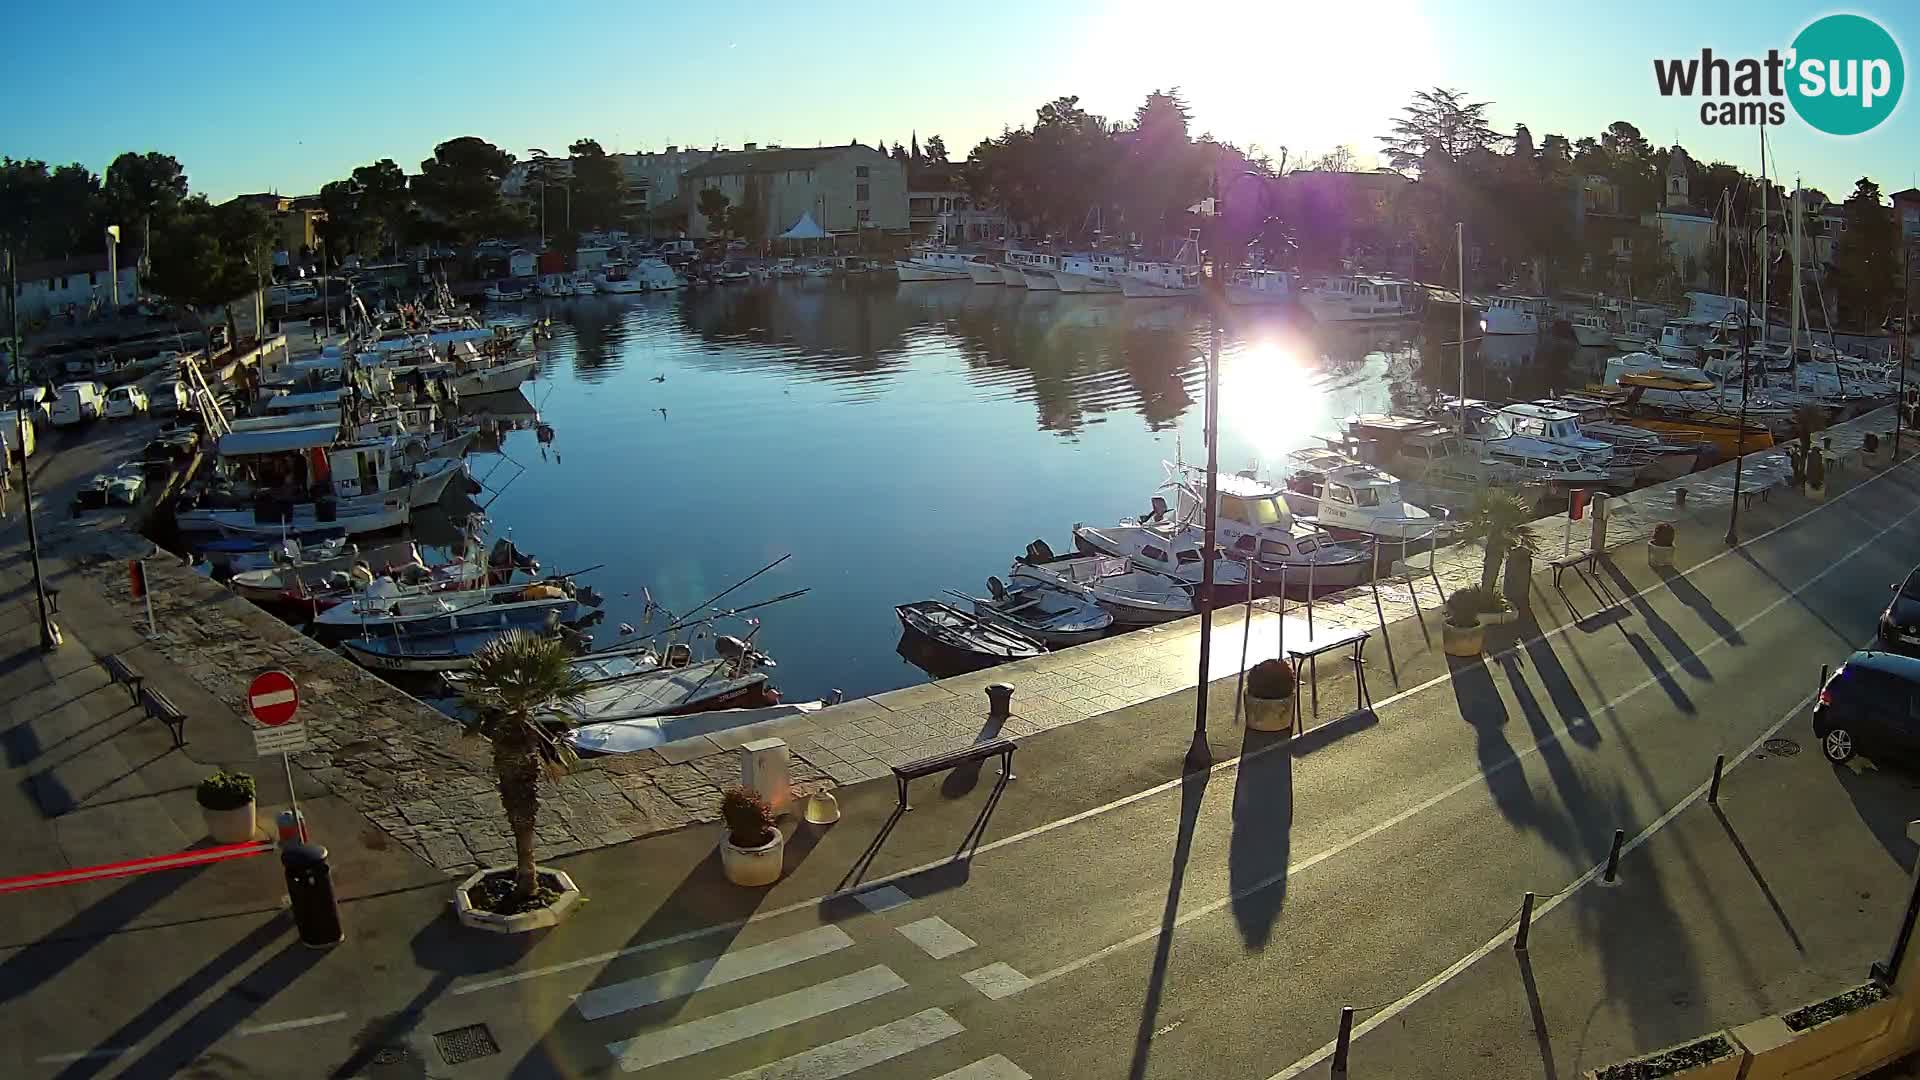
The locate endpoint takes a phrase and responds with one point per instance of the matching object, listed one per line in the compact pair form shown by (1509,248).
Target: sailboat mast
(1460,253)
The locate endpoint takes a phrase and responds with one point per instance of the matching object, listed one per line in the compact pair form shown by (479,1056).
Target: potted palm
(1269,696)
(509,691)
(226,804)
(1461,633)
(753,852)
(1499,520)
(1870,448)
(1817,477)
(1660,546)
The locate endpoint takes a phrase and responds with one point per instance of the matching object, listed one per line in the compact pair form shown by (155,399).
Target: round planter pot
(1462,640)
(520,922)
(754,866)
(1499,618)
(1658,555)
(1268,714)
(235,826)
(1817,494)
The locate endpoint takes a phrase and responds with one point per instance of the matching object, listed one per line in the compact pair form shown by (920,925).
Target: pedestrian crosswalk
(819,988)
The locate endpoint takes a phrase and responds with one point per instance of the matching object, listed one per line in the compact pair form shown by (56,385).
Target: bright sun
(1270,399)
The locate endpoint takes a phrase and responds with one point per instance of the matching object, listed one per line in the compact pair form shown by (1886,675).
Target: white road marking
(1428,803)
(278,697)
(293,1025)
(856,1052)
(991,1068)
(693,978)
(997,981)
(937,937)
(1546,907)
(84,1055)
(720,1029)
(1124,801)
(884,898)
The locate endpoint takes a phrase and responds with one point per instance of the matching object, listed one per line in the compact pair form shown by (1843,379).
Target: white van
(77,402)
(12,432)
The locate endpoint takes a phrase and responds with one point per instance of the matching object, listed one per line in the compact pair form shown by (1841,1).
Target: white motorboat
(555,286)
(493,378)
(1666,460)
(647,732)
(1179,278)
(1016,264)
(1590,329)
(1095,273)
(1350,498)
(927,262)
(1514,314)
(1172,550)
(1249,287)
(1509,459)
(367,486)
(1353,298)
(386,603)
(1562,428)
(985,273)
(618,277)
(1252,520)
(681,686)
(505,291)
(1134,597)
(1055,617)
(582,283)
(1681,340)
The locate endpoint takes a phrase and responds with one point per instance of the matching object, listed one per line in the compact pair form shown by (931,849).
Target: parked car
(1870,706)
(1900,623)
(170,397)
(78,402)
(126,401)
(37,398)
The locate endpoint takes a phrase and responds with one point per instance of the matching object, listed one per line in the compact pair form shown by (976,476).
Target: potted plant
(1461,633)
(226,802)
(1870,448)
(1660,546)
(1516,581)
(510,690)
(1710,1057)
(1817,477)
(1500,520)
(753,852)
(1497,610)
(1269,696)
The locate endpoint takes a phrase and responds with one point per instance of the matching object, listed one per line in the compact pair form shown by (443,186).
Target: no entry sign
(272,697)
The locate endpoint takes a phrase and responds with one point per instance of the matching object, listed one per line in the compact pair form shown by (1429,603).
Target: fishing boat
(679,685)
(1016,265)
(1514,314)
(929,262)
(1169,549)
(1669,458)
(1590,329)
(645,733)
(1134,597)
(1354,500)
(1255,288)
(1056,618)
(493,378)
(1094,273)
(965,639)
(984,272)
(414,650)
(388,604)
(1179,278)
(1562,428)
(555,286)
(505,291)
(1355,298)
(1253,521)
(297,573)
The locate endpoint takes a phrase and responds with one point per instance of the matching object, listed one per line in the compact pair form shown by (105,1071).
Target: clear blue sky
(254,97)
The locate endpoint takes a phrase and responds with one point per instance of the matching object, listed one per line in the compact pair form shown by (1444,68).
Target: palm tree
(1500,519)
(511,682)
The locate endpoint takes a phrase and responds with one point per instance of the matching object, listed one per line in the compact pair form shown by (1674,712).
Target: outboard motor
(1039,552)
(1159,511)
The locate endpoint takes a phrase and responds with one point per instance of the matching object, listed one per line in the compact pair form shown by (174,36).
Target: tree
(510,687)
(1438,122)
(381,199)
(460,185)
(1340,159)
(936,150)
(141,187)
(899,153)
(1866,262)
(1650,263)
(1522,143)
(206,256)
(599,188)
(713,205)
(1500,519)
(1555,152)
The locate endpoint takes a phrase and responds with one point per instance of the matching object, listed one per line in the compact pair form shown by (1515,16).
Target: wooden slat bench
(938,763)
(122,672)
(160,707)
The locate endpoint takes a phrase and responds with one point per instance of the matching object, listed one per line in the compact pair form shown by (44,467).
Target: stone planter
(1710,1057)
(1847,1043)
(1659,554)
(1507,617)
(537,919)
(235,826)
(1462,640)
(1268,714)
(754,866)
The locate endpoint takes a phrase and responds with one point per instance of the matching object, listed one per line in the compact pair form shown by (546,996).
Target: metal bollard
(310,892)
(1526,923)
(1823,678)
(1679,496)
(292,826)
(1613,857)
(999,699)
(1713,789)
(1342,1042)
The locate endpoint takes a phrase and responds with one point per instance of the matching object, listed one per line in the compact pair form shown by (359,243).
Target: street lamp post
(1906,313)
(50,637)
(113,264)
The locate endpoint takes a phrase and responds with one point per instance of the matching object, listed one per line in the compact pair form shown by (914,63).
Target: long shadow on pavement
(1685,591)
(26,970)
(1683,654)
(1668,684)
(1480,705)
(1553,675)
(1262,840)
(1193,790)
(1883,799)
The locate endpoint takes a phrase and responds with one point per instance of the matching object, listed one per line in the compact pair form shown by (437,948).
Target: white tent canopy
(805,229)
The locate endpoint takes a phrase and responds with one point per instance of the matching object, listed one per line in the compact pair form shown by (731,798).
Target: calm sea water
(900,440)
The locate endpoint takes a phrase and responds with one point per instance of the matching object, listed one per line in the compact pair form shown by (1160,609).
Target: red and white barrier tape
(176,861)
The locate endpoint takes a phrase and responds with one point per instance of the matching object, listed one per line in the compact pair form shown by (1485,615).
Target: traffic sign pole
(274,698)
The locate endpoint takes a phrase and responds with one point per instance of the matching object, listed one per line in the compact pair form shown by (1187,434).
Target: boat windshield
(1252,510)
(1366,496)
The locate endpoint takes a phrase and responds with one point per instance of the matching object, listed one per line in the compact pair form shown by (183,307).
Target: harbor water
(900,440)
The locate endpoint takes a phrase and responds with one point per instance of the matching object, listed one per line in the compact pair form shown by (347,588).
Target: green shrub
(225,790)
(1466,604)
(749,819)
(1663,535)
(1271,680)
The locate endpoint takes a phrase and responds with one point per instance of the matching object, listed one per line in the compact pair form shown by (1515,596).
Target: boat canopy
(274,440)
(317,399)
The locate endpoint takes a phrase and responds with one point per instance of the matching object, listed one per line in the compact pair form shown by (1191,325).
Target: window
(861,193)
(1189,557)
(1366,496)
(864,214)
(860,171)
(1275,548)
(1154,553)
(1339,494)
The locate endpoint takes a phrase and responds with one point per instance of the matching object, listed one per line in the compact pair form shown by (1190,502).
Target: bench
(1562,564)
(1581,564)
(120,671)
(938,763)
(1310,651)
(160,707)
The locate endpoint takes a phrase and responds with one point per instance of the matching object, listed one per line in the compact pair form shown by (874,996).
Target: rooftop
(731,162)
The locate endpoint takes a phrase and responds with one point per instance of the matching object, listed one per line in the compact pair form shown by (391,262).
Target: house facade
(938,204)
(846,189)
(653,179)
(59,286)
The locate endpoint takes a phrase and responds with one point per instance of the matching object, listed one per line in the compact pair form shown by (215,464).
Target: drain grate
(391,1055)
(466,1043)
(1781,747)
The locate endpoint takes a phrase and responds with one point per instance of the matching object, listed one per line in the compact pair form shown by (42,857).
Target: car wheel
(1838,746)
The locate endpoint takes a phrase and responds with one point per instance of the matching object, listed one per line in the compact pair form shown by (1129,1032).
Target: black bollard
(1526,923)
(310,891)
(1713,789)
(1613,857)
(1342,1042)
(999,700)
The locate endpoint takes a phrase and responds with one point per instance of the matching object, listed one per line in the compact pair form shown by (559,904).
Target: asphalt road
(1212,927)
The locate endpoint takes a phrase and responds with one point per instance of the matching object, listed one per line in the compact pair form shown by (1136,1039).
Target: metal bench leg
(1362,695)
(902,781)
(1006,766)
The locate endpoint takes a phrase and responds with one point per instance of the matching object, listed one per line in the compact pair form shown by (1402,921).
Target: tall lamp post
(50,637)
(1906,314)
(113,264)
(1216,298)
